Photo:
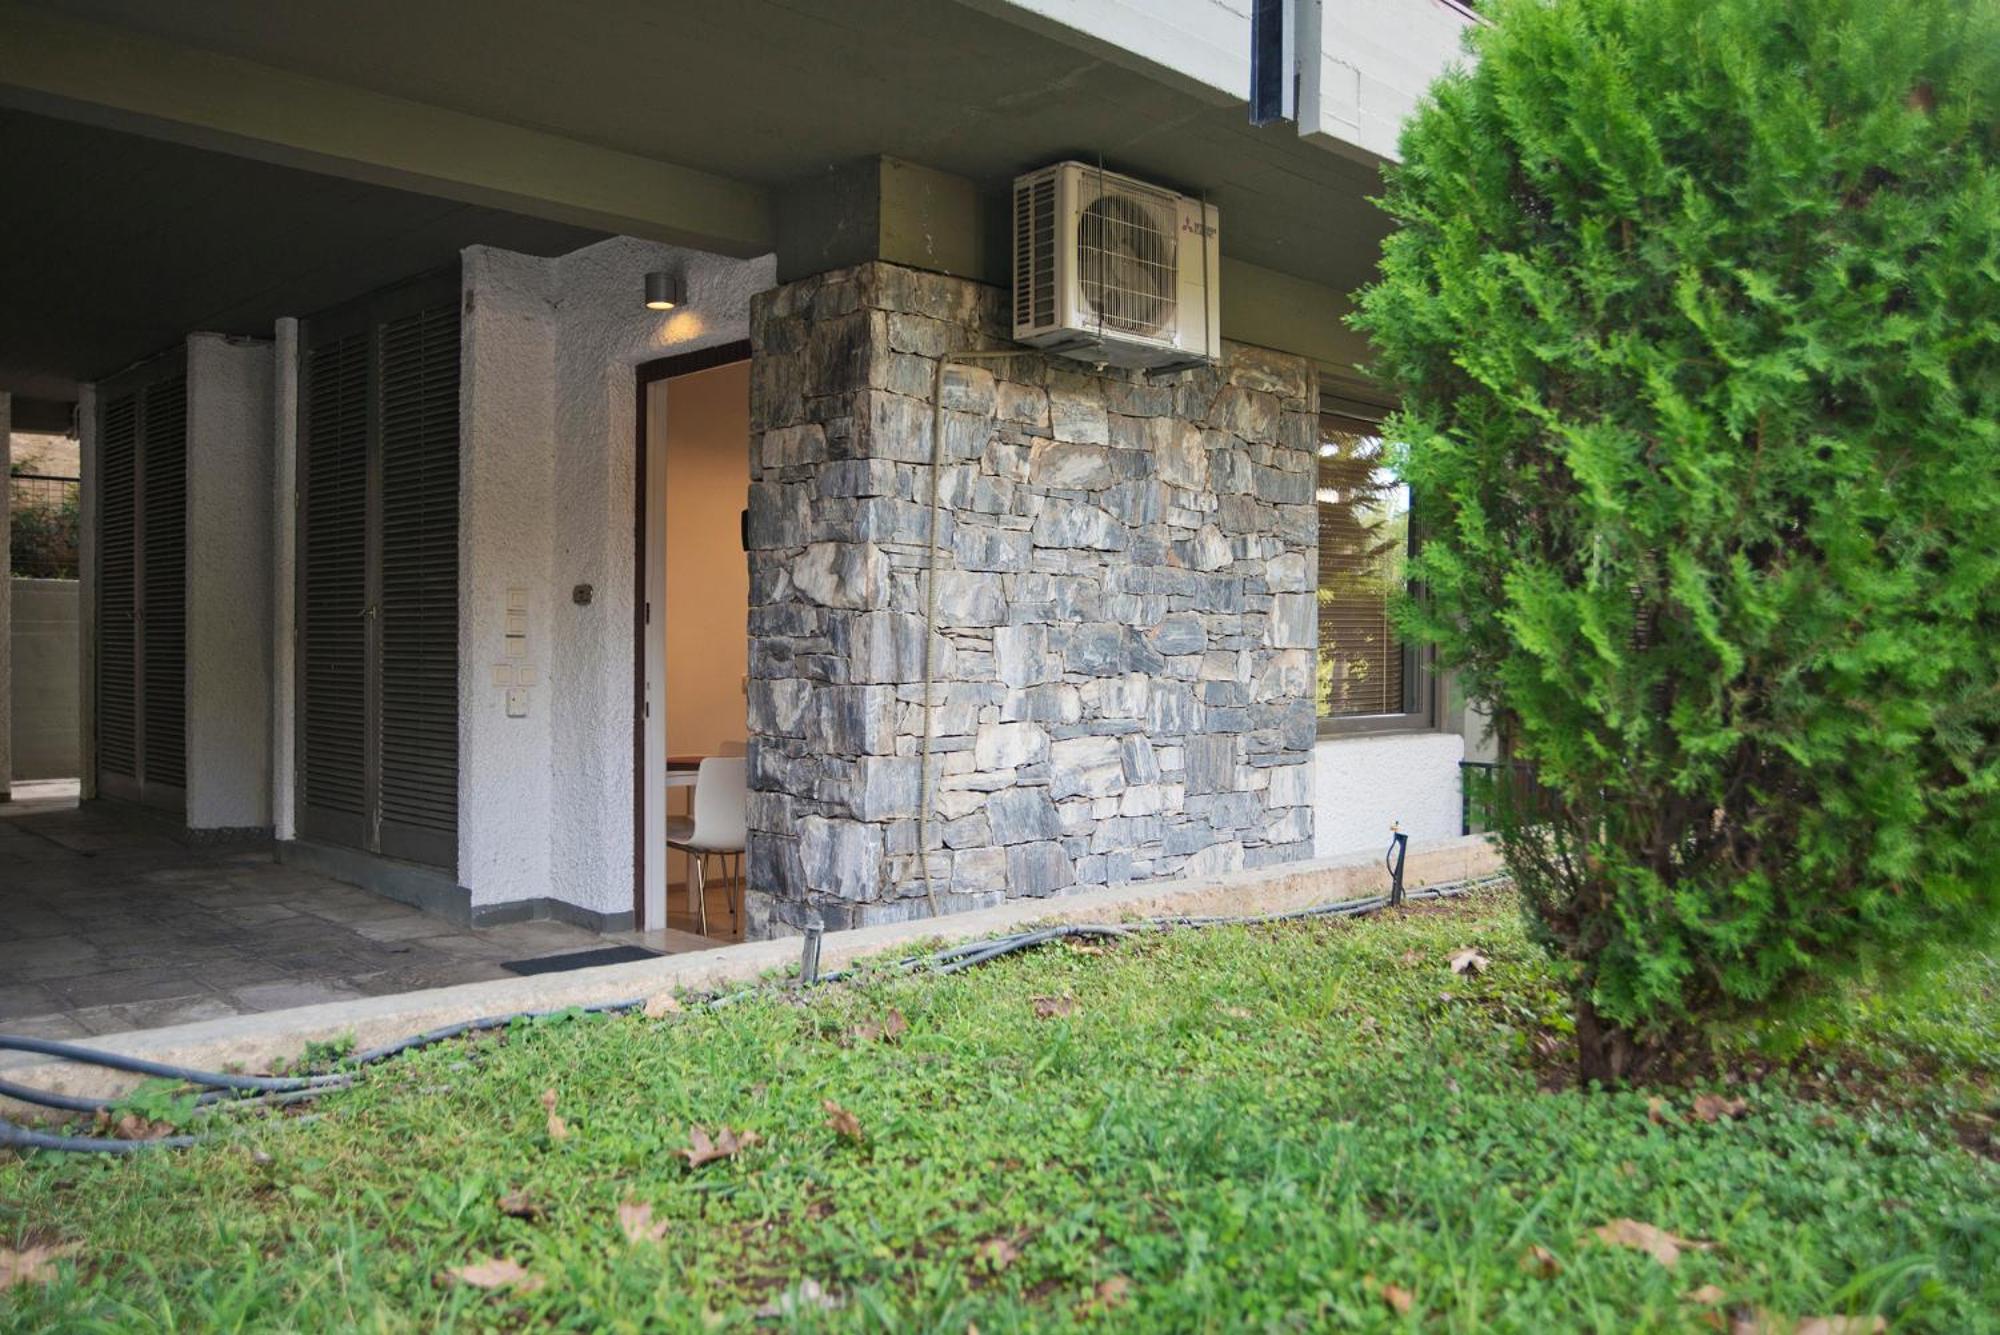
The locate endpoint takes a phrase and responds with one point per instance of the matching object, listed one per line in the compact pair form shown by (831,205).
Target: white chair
(718,827)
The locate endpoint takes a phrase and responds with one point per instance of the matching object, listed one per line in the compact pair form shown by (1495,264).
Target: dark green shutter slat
(334,523)
(117,665)
(164,574)
(419,579)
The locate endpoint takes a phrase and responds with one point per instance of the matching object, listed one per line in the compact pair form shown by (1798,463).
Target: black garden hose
(225,1090)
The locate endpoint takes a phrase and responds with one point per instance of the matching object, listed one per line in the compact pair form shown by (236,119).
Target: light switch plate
(503,674)
(517,702)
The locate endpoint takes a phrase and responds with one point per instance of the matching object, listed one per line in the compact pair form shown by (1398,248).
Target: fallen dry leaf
(998,1252)
(1760,1322)
(1840,1325)
(1708,1295)
(1048,1008)
(842,1122)
(134,1127)
(520,1205)
(1400,1300)
(1084,948)
(660,1005)
(726,1144)
(1709,1107)
(808,1293)
(635,1221)
(1468,961)
(31,1265)
(1412,958)
(1540,1262)
(1657,1243)
(1111,1293)
(1235,1012)
(893,1027)
(1656,1110)
(497,1273)
(558,1128)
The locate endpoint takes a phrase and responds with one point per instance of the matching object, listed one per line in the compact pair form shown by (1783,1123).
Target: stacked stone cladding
(1125,625)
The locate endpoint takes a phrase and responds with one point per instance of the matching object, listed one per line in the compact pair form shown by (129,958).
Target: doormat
(580,959)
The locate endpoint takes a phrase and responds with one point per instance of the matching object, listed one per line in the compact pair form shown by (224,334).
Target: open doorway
(692,641)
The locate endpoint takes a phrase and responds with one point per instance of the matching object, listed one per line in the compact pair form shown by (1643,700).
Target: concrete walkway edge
(254,1042)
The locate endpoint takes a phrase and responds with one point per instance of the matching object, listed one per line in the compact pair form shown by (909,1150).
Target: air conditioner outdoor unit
(1112,270)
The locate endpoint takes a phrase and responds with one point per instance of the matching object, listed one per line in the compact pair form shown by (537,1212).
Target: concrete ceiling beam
(124,80)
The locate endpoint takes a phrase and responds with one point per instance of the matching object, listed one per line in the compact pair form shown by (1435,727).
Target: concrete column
(6,600)
(229,566)
(86,591)
(284,587)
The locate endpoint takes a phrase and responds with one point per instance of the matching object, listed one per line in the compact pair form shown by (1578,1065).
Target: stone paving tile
(284,996)
(105,927)
(59,1025)
(26,999)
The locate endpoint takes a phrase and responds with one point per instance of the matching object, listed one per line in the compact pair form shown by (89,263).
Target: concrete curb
(253,1042)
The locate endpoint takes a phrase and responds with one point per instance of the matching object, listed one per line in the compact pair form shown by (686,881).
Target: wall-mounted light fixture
(663,290)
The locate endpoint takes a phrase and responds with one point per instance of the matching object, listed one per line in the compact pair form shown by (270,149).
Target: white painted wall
(1362,785)
(229,628)
(547,409)
(43,644)
(86,589)
(1362,64)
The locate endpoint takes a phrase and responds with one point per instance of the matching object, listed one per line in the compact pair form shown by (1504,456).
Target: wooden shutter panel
(117,663)
(419,582)
(333,600)
(163,595)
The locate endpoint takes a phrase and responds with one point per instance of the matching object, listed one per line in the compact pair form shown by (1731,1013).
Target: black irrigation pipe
(229,1091)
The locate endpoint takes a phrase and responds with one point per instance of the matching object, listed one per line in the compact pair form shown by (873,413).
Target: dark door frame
(647,374)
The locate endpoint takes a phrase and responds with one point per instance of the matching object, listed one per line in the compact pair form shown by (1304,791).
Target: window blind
(1364,545)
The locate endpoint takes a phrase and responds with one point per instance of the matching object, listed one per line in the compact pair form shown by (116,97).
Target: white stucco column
(284,552)
(507,481)
(6,600)
(230,422)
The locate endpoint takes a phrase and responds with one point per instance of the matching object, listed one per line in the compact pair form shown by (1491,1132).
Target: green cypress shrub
(1694,314)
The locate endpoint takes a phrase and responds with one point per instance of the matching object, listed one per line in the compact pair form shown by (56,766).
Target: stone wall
(1125,609)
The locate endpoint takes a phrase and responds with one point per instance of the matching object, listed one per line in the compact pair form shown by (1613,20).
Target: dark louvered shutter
(419,581)
(142,585)
(332,608)
(378,576)
(117,610)
(163,592)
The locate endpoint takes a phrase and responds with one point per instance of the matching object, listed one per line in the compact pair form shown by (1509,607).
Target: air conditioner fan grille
(1127,270)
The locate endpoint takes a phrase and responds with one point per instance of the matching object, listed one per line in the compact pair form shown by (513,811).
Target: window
(1368,679)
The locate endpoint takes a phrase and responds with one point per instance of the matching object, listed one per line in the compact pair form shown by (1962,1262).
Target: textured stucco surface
(1363,784)
(43,643)
(229,629)
(86,590)
(548,404)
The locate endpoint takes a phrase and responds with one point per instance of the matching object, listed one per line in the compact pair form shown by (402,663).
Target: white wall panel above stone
(1362,785)
(1362,64)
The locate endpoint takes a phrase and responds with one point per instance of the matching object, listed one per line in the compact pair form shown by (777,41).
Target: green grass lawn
(1309,1126)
